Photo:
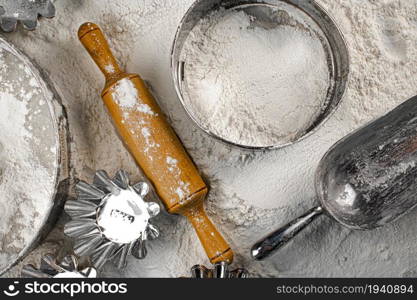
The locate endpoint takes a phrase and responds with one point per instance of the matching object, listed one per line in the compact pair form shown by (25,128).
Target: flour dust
(251,84)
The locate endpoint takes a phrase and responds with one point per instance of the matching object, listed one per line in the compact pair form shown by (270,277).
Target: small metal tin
(24,11)
(110,219)
(51,268)
(338,57)
(219,270)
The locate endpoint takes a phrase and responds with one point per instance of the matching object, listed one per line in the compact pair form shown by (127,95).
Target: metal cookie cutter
(110,219)
(25,11)
(220,270)
(50,268)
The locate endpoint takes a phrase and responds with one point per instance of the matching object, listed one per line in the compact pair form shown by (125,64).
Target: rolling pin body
(153,143)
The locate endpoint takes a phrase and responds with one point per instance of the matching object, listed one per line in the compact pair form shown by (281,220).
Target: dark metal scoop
(365,180)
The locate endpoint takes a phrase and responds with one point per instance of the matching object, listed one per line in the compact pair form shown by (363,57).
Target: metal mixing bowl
(337,53)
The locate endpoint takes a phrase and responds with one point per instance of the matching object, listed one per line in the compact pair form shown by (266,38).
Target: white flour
(250,193)
(125,94)
(252,85)
(26,176)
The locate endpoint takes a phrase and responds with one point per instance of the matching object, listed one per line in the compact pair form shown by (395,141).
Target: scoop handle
(96,44)
(282,236)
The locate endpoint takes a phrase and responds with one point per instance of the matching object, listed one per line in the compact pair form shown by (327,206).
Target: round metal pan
(49,129)
(338,57)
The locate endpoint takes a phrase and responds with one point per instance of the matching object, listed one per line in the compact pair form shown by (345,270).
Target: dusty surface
(251,193)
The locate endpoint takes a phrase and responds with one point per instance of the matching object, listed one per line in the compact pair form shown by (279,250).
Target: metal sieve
(267,13)
(49,144)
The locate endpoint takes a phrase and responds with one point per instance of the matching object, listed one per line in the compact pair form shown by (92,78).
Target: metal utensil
(110,219)
(268,14)
(51,268)
(365,180)
(24,11)
(220,270)
(47,122)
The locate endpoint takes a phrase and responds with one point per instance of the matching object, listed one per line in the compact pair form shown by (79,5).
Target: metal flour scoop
(365,180)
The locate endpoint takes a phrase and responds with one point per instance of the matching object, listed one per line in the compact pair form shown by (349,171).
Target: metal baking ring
(62,136)
(339,57)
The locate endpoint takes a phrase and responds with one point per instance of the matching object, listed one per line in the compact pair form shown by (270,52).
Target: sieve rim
(62,177)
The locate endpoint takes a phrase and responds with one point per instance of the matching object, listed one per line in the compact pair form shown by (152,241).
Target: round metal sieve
(35,169)
(269,14)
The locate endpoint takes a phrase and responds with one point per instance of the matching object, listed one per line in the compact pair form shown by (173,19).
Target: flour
(252,85)
(250,193)
(27,161)
(126,96)
(182,188)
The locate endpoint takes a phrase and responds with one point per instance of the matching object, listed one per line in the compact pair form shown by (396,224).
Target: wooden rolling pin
(154,144)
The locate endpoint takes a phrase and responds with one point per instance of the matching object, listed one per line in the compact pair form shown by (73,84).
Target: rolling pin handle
(96,44)
(282,236)
(213,243)
(158,167)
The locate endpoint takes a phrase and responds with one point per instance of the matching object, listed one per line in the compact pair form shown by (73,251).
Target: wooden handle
(96,44)
(215,246)
(153,143)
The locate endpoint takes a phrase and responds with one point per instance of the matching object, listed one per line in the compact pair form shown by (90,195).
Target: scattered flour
(126,95)
(250,193)
(252,85)
(109,68)
(182,188)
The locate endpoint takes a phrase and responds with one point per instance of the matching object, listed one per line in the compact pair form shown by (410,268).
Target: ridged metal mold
(26,12)
(219,270)
(51,268)
(110,219)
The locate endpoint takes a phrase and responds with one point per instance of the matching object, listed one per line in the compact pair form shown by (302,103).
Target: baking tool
(46,144)
(110,219)
(365,180)
(24,11)
(269,14)
(51,268)
(154,144)
(220,270)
